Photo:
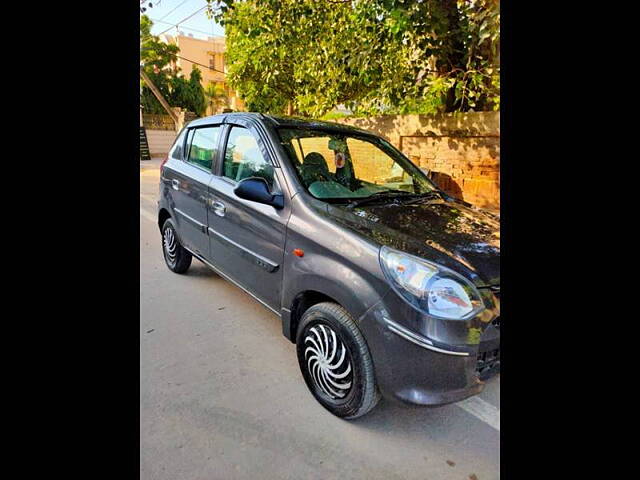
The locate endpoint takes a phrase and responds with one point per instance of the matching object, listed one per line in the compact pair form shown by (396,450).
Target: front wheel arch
(315,288)
(302,302)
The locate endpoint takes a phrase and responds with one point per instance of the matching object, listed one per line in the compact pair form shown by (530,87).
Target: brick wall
(461,150)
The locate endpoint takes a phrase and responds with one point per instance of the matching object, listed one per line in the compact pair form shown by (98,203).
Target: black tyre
(176,257)
(335,361)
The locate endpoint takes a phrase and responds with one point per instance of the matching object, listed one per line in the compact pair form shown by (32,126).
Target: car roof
(276,121)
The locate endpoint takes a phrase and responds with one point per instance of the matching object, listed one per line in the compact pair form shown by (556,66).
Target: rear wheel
(335,361)
(175,256)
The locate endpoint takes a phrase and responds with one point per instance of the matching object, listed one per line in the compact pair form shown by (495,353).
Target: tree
(188,94)
(395,56)
(454,45)
(216,97)
(159,61)
(253,42)
(279,55)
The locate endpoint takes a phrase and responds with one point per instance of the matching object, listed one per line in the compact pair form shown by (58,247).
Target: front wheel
(175,256)
(335,361)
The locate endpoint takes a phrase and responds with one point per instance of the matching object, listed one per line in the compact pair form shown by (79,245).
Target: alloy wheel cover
(170,245)
(327,361)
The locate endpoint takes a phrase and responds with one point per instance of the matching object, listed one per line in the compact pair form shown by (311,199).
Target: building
(209,54)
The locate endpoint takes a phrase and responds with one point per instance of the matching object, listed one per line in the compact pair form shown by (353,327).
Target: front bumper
(417,369)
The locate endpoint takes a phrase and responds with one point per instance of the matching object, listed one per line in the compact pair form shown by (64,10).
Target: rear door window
(204,146)
(177,151)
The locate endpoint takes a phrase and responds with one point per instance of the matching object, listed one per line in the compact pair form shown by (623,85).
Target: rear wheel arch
(163,214)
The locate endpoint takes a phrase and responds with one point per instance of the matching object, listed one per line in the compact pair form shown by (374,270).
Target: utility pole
(160,98)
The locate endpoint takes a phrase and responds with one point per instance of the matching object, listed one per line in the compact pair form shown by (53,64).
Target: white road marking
(483,410)
(147,215)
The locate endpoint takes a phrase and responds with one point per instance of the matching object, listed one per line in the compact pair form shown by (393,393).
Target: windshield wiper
(379,195)
(426,196)
(397,194)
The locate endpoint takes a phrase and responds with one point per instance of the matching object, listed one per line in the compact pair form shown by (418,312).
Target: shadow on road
(389,417)
(199,269)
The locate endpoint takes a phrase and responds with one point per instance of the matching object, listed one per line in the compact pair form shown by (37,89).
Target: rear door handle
(175,184)
(218,208)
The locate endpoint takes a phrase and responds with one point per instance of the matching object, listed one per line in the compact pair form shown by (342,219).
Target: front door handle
(218,208)
(175,184)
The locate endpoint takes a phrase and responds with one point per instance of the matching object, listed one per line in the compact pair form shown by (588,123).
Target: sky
(166,13)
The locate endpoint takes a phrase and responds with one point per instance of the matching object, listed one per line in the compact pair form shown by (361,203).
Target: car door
(246,239)
(189,186)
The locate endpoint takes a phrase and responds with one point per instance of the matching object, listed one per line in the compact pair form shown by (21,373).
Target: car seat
(314,168)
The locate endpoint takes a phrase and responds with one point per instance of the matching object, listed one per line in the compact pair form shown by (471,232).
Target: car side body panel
(336,263)
(187,186)
(247,242)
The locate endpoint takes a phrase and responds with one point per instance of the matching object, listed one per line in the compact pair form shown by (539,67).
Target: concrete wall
(160,141)
(462,150)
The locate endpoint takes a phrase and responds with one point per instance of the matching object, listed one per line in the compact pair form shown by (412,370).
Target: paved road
(221,395)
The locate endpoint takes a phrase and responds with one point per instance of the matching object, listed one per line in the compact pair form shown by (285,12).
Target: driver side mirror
(256,189)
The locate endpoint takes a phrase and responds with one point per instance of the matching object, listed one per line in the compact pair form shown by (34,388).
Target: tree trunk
(290,108)
(159,96)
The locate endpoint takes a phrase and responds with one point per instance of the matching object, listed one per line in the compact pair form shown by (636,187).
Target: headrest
(315,159)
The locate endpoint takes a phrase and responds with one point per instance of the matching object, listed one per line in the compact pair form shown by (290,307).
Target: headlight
(430,288)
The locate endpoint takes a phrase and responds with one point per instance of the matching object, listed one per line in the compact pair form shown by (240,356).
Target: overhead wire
(174,9)
(186,28)
(183,20)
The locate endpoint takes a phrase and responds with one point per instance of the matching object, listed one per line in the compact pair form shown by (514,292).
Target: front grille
(488,363)
(496,291)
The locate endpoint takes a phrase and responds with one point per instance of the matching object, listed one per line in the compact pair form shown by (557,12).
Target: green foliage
(148,100)
(159,64)
(216,96)
(257,59)
(330,116)
(155,54)
(157,58)
(375,56)
(198,103)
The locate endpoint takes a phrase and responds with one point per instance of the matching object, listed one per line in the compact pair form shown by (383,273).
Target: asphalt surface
(222,397)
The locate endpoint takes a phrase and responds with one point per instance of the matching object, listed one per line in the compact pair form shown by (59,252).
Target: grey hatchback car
(387,285)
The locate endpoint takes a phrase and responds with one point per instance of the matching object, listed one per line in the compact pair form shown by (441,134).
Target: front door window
(243,158)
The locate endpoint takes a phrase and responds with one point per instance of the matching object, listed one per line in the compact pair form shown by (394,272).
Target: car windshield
(344,166)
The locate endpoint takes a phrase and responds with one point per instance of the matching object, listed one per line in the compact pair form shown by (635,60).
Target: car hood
(449,232)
